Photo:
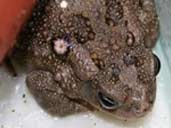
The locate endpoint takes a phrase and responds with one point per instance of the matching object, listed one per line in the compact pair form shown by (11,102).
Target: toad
(92,55)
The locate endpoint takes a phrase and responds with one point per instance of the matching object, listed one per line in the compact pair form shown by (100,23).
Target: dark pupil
(157,64)
(107,102)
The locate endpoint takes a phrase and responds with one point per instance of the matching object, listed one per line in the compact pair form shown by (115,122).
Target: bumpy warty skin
(108,65)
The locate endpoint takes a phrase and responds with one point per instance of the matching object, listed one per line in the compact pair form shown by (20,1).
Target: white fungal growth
(60,46)
(63,4)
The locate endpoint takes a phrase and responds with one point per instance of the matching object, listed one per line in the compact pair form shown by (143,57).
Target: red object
(13,14)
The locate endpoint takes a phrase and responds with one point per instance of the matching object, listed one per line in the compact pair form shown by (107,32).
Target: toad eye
(157,65)
(106,102)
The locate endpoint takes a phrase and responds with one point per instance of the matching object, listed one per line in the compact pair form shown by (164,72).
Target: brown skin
(108,68)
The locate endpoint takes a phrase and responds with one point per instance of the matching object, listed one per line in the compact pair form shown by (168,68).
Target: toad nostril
(107,103)
(129,60)
(115,70)
(157,65)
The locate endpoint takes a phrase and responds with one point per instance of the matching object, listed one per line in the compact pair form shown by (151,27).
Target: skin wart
(92,55)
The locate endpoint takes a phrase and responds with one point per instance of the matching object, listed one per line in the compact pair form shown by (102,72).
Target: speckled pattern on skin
(108,66)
